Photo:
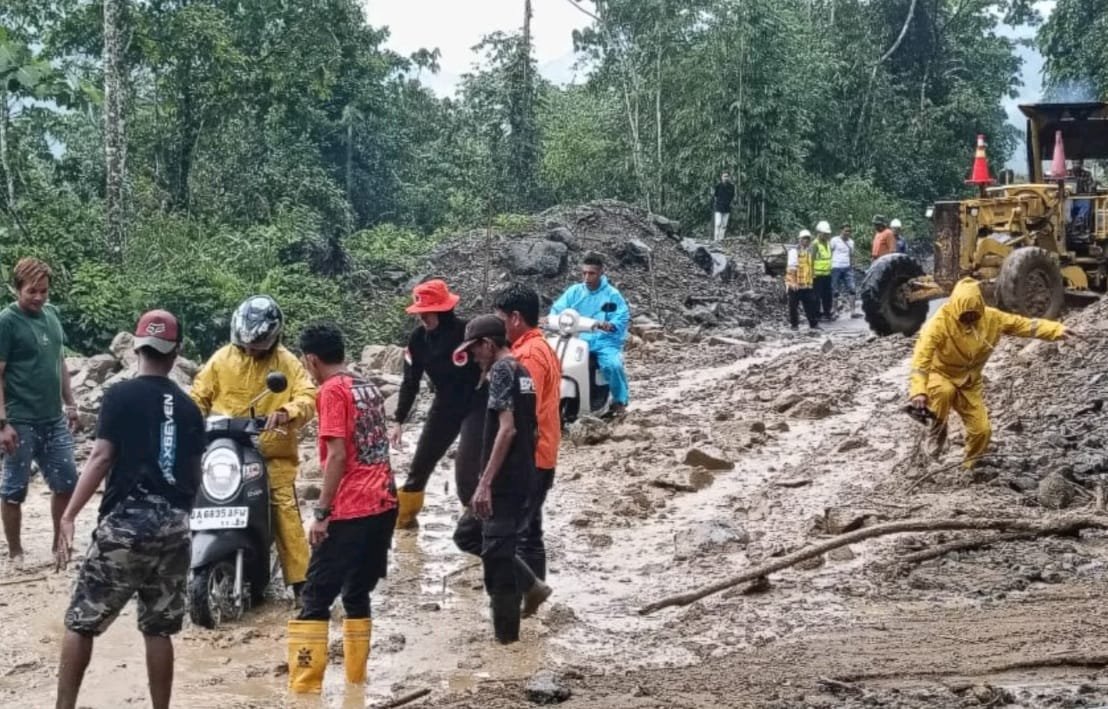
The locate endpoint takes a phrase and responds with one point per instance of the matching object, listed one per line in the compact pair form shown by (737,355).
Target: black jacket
(433,353)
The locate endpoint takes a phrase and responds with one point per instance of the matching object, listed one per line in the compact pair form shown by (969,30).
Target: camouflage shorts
(141,549)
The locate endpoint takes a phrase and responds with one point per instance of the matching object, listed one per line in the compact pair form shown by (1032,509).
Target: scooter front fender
(210,547)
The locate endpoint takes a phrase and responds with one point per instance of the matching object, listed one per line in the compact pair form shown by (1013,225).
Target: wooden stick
(406,699)
(962,545)
(1047,526)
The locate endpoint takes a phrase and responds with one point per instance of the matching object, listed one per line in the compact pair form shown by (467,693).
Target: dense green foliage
(1076,55)
(279,146)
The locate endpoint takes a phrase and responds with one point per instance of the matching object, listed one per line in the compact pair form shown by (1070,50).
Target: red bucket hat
(432,297)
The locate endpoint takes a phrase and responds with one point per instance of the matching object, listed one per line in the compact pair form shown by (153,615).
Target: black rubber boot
(505,616)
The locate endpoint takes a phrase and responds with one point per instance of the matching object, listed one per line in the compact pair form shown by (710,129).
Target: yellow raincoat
(949,357)
(226,385)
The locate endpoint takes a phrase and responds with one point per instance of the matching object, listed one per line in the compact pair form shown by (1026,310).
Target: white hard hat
(805,233)
(894,224)
(823,228)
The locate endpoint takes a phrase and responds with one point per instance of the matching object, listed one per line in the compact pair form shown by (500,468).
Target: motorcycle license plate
(218,518)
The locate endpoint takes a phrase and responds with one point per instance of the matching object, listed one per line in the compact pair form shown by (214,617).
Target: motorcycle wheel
(211,595)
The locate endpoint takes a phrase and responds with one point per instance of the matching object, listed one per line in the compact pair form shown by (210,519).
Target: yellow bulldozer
(1034,247)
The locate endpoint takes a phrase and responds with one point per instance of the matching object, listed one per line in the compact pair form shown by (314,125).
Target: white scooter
(584,389)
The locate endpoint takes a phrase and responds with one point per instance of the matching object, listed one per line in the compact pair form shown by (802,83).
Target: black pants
(532,547)
(807,298)
(496,541)
(824,295)
(444,421)
(467,464)
(350,560)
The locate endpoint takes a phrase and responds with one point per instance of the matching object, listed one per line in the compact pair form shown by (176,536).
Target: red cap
(432,297)
(159,330)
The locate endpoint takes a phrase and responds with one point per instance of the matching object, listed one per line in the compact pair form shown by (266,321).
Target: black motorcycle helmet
(257,323)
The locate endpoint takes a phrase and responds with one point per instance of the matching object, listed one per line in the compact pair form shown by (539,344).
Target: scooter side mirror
(276,382)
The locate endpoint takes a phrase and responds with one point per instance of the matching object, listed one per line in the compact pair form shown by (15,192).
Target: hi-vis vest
(821,259)
(798,270)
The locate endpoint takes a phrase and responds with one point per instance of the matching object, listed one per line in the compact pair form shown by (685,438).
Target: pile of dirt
(1049,414)
(674,280)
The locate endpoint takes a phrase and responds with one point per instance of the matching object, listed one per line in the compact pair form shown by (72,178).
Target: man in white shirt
(842,268)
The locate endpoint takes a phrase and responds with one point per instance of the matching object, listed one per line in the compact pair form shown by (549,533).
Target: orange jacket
(533,353)
(884,243)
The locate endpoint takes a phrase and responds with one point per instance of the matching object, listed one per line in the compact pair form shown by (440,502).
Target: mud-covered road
(811,432)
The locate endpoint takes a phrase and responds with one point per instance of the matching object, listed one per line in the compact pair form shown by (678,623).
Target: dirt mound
(676,281)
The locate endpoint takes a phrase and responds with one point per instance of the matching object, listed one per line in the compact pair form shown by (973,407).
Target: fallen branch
(963,545)
(26,579)
(1065,659)
(1058,525)
(406,699)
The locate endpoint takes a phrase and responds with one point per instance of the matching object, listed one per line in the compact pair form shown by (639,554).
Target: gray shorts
(50,445)
(142,549)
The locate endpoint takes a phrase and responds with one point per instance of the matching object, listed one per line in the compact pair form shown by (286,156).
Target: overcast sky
(454,26)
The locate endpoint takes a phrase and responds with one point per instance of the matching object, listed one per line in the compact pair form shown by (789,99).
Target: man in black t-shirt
(149,444)
(498,510)
(722,197)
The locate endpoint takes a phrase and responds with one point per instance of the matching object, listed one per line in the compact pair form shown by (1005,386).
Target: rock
(715,535)
(123,347)
(785,401)
(741,349)
(635,253)
(707,458)
(852,444)
(537,258)
(100,367)
(311,492)
(811,409)
(588,430)
(810,564)
(780,427)
(774,259)
(793,482)
(840,520)
(1055,492)
(758,427)
(841,554)
(669,227)
(390,406)
(545,687)
(387,359)
(562,235)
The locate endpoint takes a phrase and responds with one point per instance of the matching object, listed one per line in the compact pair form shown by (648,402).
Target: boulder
(707,458)
(537,258)
(785,401)
(667,226)
(635,253)
(123,347)
(562,235)
(99,368)
(1055,492)
(387,359)
(775,259)
(545,687)
(814,409)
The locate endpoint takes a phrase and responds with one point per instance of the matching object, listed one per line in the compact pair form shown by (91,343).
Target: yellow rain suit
(949,357)
(226,385)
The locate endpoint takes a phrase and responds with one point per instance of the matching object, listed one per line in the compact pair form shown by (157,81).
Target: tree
(115,146)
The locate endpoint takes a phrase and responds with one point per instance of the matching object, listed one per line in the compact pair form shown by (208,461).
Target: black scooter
(232,528)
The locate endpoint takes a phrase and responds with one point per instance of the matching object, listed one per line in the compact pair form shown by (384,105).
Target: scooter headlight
(567,321)
(222,474)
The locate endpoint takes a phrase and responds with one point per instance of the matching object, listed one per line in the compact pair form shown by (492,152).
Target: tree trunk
(115,155)
(9,178)
(658,128)
(350,163)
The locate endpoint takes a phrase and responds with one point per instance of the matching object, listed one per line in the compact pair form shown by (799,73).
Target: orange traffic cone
(980,174)
(1058,164)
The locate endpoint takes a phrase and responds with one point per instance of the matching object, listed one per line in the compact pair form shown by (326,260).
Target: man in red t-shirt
(354,518)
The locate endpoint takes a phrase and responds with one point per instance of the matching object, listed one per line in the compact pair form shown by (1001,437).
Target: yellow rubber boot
(410,505)
(307,655)
(356,635)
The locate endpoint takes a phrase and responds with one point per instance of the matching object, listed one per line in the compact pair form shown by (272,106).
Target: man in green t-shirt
(34,383)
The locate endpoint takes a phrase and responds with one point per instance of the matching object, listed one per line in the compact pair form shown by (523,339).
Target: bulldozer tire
(886,310)
(1030,284)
